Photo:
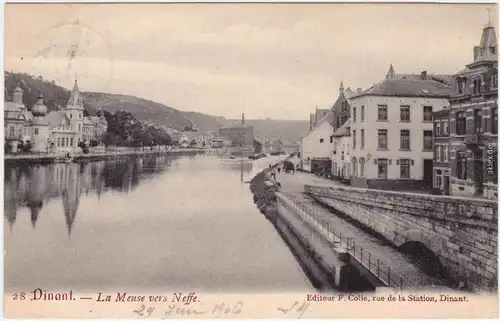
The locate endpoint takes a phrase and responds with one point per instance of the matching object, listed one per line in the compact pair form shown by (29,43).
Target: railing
(373,264)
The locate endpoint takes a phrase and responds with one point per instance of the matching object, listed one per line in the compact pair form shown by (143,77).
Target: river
(156,223)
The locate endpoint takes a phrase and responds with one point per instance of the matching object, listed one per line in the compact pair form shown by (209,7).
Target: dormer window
(476,86)
(461,86)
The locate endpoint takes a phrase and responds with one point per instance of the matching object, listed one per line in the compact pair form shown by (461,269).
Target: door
(446,184)
(478,172)
(428,172)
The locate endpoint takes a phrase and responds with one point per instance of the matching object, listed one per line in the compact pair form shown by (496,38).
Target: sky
(265,60)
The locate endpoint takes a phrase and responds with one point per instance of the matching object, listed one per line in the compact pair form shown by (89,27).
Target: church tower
(74,111)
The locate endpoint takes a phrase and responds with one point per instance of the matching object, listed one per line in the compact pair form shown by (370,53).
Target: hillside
(144,109)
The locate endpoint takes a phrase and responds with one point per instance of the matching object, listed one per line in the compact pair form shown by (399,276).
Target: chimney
(476,51)
(423,75)
(359,90)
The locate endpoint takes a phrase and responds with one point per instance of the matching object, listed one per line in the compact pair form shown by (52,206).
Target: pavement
(293,184)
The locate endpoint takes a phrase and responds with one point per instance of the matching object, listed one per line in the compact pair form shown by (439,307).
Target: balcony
(472,139)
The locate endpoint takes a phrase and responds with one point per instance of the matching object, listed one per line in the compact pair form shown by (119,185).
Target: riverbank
(81,158)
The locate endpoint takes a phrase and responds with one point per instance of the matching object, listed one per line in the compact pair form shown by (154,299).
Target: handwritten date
(174,310)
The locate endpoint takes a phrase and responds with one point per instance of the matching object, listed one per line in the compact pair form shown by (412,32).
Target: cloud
(277,60)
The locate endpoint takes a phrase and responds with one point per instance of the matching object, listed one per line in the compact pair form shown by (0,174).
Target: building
(220,142)
(391,130)
(316,117)
(441,164)
(195,139)
(50,132)
(341,159)
(239,134)
(473,125)
(174,134)
(342,107)
(316,147)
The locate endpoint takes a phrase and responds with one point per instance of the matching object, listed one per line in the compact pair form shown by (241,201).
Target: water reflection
(33,186)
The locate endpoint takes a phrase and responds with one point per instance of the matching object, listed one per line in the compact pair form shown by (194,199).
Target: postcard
(250,160)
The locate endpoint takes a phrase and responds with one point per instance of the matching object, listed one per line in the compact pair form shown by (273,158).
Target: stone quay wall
(461,232)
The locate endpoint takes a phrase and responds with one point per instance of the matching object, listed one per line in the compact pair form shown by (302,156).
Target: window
(331,139)
(478,120)
(36,131)
(79,127)
(437,129)
(362,138)
(67,141)
(62,142)
(71,142)
(404,168)
(382,112)
(405,139)
(461,124)
(361,167)
(427,113)
(354,139)
(438,180)
(494,120)
(445,154)
(445,128)
(321,140)
(461,86)
(437,153)
(428,140)
(462,165)
(382,138)
(382,168)
(404,113)
(354,163)
(354,114)
(12,131)
(494,81)
(70,116)
(362,113)
(476,86)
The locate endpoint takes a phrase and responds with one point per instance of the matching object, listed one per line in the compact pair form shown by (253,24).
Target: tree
(257,146)
(84,147)
(27,146)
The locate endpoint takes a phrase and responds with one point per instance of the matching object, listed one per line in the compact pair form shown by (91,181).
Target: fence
(373,264)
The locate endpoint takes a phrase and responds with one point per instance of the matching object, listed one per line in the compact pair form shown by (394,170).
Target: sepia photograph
(250,160)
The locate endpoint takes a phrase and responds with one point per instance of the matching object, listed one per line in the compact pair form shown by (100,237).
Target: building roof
(56,118)
(486,51)
(343,130)
(409,88)
(348,93)
(10,106)
(328,117)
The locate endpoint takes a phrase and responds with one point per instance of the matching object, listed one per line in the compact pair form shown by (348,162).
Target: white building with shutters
(392,131)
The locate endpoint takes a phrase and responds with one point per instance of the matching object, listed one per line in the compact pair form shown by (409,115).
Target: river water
(156,223)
